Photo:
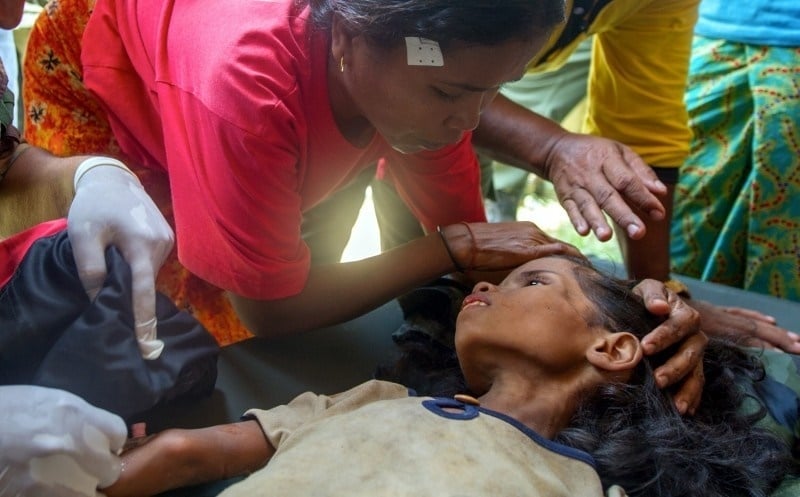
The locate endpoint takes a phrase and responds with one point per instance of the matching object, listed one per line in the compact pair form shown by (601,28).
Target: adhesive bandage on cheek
(423,52)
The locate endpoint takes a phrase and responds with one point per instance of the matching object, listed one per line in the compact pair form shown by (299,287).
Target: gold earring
(341,64)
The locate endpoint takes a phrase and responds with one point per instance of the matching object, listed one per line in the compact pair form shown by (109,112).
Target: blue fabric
(756,22)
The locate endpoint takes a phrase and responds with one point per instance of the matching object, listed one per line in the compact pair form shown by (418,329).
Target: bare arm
(37,188)
(179,458)
(648,257)
(338,292)
(516,135)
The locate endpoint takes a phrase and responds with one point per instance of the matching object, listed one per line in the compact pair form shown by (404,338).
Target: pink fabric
(231,99)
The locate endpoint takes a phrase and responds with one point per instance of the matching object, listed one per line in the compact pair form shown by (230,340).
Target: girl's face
(418,108)
(536,321)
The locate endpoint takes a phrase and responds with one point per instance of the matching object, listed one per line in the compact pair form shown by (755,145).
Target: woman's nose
(467,117)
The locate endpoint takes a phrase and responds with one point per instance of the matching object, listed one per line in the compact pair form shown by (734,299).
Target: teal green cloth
(736,218)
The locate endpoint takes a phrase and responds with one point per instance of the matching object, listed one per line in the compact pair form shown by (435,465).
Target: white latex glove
(55,444)
(111,208)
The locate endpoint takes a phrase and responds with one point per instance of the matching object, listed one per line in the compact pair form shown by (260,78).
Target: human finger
(682,321)
(579,222)
(688,396)
(775,337)
(99,436)
(557,248)
(655,296)
(90,260)
(499,261)
(640,189)
(101,460)
(751,314)
(143,294)
(109,424)
(687,357)
(613,203)
(717,321)
(586,208)
(501,246)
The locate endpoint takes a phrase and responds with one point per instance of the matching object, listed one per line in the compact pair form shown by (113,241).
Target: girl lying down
(557,399)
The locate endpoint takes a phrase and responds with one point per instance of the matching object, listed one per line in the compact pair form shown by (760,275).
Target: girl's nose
(482,286)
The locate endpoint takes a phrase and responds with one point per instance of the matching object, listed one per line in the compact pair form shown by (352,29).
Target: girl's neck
(546,408)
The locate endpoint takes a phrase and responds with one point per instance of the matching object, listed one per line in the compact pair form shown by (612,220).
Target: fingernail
(661,380)
(682,406)
(633,230)
(656,215)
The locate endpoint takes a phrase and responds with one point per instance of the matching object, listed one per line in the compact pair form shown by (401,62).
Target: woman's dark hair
(481,22)
(636,436)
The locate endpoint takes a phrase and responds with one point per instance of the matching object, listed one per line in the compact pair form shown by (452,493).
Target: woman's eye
(534,282)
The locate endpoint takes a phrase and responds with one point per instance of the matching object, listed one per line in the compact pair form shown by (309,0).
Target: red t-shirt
(231,99)
(14,248)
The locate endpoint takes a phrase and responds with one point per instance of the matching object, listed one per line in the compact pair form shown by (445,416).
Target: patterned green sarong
(737,205)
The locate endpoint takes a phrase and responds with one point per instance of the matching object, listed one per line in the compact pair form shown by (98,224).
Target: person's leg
(711,197)
(326,228)
(772,247)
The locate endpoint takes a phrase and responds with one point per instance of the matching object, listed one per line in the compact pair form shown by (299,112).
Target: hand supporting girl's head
(557,346)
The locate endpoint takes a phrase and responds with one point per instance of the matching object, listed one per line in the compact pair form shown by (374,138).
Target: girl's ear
(340,39)
(615,352)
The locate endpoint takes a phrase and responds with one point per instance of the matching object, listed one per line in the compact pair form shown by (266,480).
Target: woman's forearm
(515,135)
(339,292)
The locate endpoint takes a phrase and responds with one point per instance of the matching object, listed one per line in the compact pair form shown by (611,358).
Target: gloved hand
(54,443)
(111,208)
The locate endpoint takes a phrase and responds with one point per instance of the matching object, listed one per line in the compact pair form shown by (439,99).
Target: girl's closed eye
(444,95)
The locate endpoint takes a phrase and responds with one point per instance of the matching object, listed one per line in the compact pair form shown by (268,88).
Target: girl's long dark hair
(636,436)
